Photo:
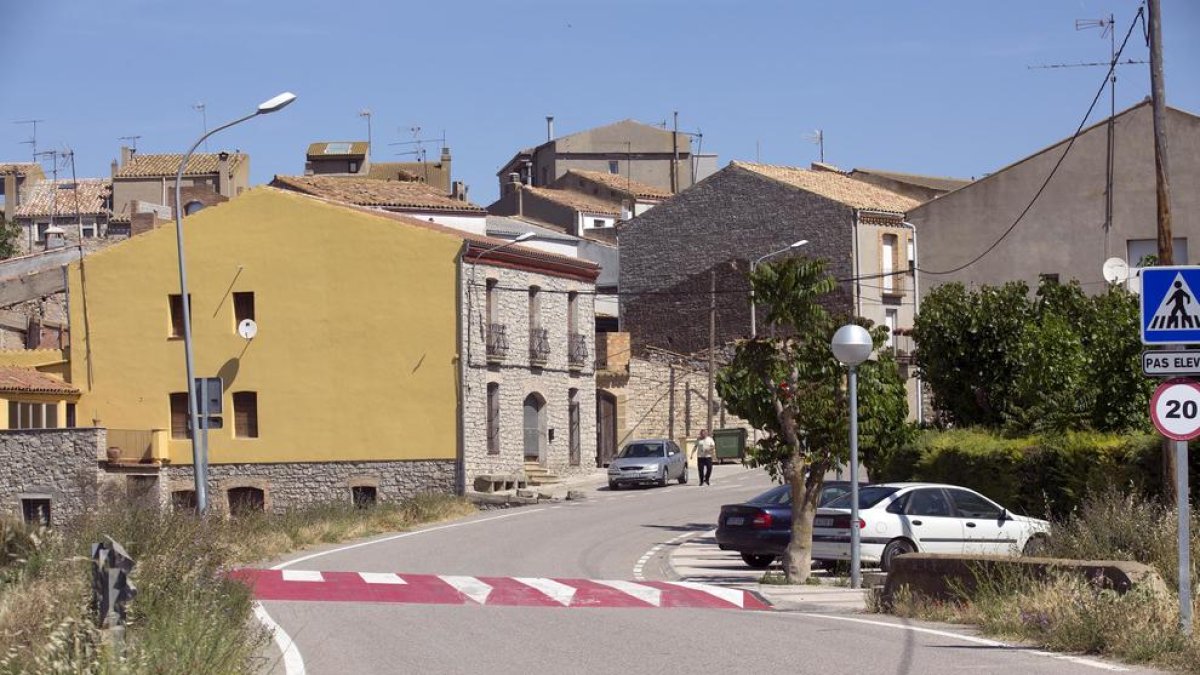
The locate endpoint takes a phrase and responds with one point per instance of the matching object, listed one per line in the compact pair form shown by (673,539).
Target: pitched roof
(58,199)
(512,226)
(402,171)
(15,379)
(942,183)
(378,193)
(146,166)
(331,149)
(853,193)
(622,184)
(20,168)
(575,200)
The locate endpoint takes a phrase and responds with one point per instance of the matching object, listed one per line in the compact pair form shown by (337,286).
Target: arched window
(192,207)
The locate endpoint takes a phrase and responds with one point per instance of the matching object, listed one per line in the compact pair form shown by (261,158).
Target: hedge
(1036,475)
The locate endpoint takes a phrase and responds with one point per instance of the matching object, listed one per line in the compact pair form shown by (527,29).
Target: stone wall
(55,464)
(517,378)
(295,484)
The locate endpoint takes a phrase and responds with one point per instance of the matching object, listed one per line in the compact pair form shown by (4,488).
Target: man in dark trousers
(706,451)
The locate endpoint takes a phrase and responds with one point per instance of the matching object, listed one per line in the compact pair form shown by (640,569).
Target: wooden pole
(712,343)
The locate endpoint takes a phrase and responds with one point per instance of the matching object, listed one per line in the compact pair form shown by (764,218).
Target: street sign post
(1170,308)
(1175,411)
(1171,362)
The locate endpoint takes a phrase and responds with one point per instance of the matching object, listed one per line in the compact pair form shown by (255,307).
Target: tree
(793,388)
(9,236)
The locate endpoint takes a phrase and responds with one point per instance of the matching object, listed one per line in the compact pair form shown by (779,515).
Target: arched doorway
(535,427)
(606,427)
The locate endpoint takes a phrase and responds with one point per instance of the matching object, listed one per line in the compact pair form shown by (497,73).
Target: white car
(897,518)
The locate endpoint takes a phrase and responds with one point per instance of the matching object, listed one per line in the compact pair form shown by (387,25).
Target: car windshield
(643,450)
(867,497)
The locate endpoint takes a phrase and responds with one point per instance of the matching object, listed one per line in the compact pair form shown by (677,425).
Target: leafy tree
(794,389)
(10,234)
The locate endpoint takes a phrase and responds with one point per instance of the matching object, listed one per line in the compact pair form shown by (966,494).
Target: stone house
(1064,235)
(145,183)
(412,198)
(16,178)
(64,212)
(353,158)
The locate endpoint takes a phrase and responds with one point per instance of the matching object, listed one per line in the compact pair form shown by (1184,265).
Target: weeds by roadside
(188,617)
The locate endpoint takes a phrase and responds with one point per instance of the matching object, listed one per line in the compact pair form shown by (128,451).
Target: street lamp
(754,264)
(852,345)
(200,449)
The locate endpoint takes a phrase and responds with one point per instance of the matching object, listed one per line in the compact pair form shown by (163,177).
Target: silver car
(653,461)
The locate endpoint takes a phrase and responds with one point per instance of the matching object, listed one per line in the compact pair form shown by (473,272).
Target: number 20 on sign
(1175,409)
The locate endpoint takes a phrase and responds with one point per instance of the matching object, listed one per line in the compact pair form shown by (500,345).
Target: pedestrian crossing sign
(1170,307)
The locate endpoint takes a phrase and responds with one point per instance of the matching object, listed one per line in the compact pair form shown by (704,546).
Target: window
(493,418)
(573,434)
(89,227)
(179,416)
(243,307)
(890,319)
(535,309)
(176,303)
(353,167)
(245,414)
(928,502)
(888,249)
(490,300)
(36,511)
(244,500)
(183,501)
(572,310)
(614,166)
(971,505)
(70,416)
(192,207)
(1143,251)
(1048,278)
(27,415)
(597,222)
(41,231)
(364,496)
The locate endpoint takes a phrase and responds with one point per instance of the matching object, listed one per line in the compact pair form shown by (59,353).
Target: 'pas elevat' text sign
(1170,363)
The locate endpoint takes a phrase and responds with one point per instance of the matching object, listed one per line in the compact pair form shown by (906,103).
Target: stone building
(149,180)
(64,213)
(353,159)
(16,178)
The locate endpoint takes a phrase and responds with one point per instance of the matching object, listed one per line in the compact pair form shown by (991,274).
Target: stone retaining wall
(55,464)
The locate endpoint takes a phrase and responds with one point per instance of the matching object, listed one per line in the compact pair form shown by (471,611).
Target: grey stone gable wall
(722,223)
(60,464)
(517,378)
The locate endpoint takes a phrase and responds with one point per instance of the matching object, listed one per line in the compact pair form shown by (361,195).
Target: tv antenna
(131,139)
(32,142)
(366,112)
(817,137)
(203,110)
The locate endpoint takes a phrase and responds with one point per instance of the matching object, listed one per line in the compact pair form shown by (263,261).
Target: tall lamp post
(852,345)
(200,449)
(754,264)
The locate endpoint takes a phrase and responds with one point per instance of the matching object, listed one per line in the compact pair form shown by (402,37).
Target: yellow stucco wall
(357,324)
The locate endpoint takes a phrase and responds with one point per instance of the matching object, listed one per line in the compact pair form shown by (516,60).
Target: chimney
(115,166)
(549,127)
(126,154)
(457,191)
(626,211)
(223,174)
(514,185)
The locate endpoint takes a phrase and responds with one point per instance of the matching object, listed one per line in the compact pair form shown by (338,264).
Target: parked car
(899,518)
(653,461)
(761,528)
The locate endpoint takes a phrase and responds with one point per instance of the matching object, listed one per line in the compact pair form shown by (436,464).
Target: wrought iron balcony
(539,346)
(497,341)
(577,350)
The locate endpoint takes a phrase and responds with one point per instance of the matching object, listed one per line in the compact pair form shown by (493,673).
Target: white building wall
(472,224)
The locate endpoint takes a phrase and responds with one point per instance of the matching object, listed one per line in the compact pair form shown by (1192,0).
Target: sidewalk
(698,559)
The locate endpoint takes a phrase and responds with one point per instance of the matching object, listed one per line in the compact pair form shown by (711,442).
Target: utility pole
(1158,103)
(675,160)
(712,343)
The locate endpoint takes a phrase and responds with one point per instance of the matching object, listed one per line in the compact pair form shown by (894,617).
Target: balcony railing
(539,345)
(497,341)
(577,350)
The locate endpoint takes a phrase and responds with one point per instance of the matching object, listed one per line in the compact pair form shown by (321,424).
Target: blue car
(761,528)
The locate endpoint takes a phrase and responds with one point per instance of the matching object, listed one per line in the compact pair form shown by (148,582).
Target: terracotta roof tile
(374,192)
(20,168)
(623,184)
(932,182)
(322,149)
(835,186)
(15,379)
(575,200)
(44,198)
(144,166)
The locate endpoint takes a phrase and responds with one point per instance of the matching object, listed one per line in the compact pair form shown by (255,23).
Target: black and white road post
(851,346)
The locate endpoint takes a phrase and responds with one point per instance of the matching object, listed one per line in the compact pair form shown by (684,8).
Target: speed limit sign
(1175,409)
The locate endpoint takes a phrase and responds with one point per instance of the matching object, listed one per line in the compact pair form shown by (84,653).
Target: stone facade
(516,377)
(296,484)
(55,464)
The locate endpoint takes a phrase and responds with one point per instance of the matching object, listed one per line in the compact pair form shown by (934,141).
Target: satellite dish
(1116,271)
(248,329)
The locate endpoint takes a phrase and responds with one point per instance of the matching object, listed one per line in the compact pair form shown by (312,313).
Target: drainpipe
(857,268)
(916,275)
(460,457)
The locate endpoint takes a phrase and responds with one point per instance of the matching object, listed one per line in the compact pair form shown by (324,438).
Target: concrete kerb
(567,489)
(698,559)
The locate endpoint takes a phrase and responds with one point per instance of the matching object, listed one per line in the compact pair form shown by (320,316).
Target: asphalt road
(626,535)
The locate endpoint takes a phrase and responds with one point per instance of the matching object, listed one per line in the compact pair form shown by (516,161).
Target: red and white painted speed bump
(314,586)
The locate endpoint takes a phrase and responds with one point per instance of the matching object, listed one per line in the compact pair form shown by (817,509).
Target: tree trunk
(797,562)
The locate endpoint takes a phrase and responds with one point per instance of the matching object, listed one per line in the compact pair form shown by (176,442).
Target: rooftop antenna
(366,112)
(817,137)
(203,110)
(32,142)
(53,155)
(1107,30)
(131,139)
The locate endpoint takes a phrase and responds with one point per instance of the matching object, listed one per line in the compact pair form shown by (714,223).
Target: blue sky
(927,87)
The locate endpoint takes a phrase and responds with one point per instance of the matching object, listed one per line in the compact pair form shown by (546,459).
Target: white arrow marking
(730,595)
(302,575)
(470,587)
(560,593)
(382,578)
(643,593)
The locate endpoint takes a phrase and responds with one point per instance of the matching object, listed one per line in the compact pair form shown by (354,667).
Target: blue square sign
(1170,307)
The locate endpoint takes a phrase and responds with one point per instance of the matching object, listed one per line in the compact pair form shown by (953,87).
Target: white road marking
(302,575)
(644,593)
(640,567)
(558,592)
(730,595)
(380,578)
(469,586)
(293,663)
(1079,660)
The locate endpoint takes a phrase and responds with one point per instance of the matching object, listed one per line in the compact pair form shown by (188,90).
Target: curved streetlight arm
(753,264)
(471,289)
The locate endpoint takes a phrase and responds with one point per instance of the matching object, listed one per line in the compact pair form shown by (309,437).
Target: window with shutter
(493,418)
(179,416)
(245,414)
(243,307)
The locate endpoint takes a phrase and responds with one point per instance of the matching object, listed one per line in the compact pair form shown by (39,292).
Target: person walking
(706,451)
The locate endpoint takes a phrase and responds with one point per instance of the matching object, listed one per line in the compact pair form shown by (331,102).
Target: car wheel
(894,548)
(683,476)
(758,562)
(613,486)
(1036,546)
(662,480)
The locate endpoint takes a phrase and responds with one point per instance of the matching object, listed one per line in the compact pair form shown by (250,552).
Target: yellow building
(348,385)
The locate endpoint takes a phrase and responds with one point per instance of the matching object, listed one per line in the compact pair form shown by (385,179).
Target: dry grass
(188,617)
